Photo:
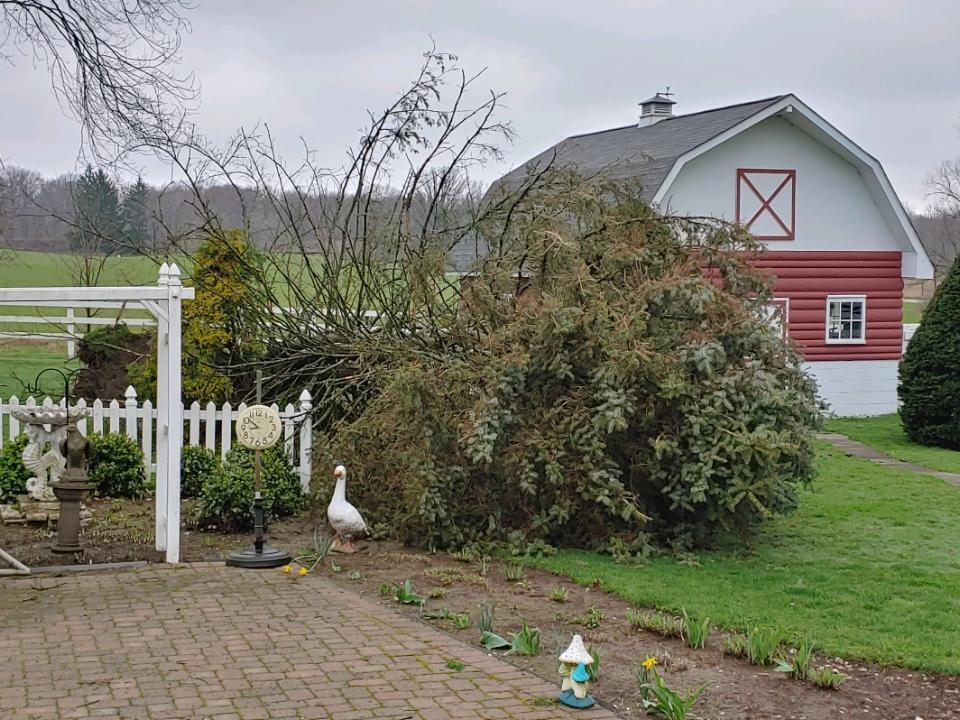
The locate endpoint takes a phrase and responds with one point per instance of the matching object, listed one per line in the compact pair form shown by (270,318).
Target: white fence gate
(209,426)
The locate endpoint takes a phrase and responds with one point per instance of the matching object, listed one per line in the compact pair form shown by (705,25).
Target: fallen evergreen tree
(631,393)
(607,377)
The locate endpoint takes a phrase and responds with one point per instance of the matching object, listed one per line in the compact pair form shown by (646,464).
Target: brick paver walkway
(206,641)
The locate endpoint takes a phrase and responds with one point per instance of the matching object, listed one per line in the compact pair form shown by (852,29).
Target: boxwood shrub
(117,466)
(226,500)
(13,474)
(197,465)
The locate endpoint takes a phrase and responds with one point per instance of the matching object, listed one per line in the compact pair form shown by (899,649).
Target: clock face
(258,427)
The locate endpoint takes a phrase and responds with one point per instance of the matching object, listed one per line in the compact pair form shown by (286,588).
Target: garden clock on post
(258,427)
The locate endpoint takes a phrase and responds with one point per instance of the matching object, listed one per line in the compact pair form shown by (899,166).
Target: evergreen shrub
(13,474)
(930,370)
(226,499)
(117,466)
(197,465)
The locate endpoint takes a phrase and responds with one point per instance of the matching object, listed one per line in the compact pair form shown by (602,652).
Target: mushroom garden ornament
(573,669)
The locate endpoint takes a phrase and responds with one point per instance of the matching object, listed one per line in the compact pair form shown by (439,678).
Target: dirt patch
(123,530)
(735,689)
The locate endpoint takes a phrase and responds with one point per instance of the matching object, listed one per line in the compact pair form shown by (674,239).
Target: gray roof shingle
(626,153)
(647,152)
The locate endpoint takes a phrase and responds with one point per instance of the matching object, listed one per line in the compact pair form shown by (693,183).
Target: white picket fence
(209,426)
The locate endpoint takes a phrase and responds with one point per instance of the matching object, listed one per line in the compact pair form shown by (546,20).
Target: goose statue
(344,517)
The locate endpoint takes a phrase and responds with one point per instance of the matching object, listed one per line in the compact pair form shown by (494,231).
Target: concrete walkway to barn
(858,449)
(207,641)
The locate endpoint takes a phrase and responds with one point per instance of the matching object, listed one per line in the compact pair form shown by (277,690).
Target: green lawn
(885,433)
(912,312)
(869,567)
(21,361)
(21,268)
(35,269)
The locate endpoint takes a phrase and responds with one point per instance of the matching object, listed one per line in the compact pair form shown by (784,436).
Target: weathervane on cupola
(659,107)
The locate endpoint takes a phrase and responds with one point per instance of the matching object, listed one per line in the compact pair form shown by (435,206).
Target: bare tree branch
(110,62)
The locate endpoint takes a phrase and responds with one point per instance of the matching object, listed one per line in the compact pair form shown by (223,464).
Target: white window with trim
(846,319)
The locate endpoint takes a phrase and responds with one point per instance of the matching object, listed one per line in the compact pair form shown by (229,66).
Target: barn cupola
(657,108)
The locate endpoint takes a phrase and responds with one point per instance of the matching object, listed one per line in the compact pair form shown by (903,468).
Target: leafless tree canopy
(375,234)
(111,62)
(940,230)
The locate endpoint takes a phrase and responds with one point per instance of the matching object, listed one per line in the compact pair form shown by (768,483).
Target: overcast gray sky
(885,72)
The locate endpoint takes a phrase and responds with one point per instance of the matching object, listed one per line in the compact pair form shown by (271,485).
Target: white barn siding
(857,387)
(835,210)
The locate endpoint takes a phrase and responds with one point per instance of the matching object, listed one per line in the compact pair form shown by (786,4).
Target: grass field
(912,312)
(19,268)
(885,433)
(867,568)
(34,269)
(21,361)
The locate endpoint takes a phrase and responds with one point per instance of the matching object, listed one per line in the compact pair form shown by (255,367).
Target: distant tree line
(93,213)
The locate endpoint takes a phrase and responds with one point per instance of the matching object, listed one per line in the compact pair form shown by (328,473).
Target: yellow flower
(650,662)
(287,568)
(302,571)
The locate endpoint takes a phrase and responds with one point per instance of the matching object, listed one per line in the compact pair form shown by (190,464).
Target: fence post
(306,441)
(289,420)
(71,330)
(193,417)
(12,404)
(130,405)
(174,438)
(210,426)
(82,423)
(114,416)
(163,419)
(226,430)
(147,436)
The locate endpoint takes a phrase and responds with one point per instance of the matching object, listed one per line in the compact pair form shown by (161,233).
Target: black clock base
(251,559)
(260,555)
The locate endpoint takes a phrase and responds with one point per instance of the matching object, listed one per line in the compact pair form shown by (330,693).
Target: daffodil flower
(650,662)
(286,568)
(302,571)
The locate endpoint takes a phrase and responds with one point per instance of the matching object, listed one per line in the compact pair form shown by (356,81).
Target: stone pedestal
(70,490)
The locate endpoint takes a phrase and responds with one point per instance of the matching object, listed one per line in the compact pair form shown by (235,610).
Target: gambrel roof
(654,154)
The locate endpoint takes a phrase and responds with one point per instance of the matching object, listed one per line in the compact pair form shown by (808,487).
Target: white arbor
(164,302)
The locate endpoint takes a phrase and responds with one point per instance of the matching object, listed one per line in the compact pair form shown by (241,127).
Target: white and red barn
(837,237)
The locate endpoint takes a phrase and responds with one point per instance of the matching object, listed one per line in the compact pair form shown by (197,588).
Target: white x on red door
(767,202)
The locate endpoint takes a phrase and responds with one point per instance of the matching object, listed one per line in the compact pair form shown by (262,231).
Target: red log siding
(807,278)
